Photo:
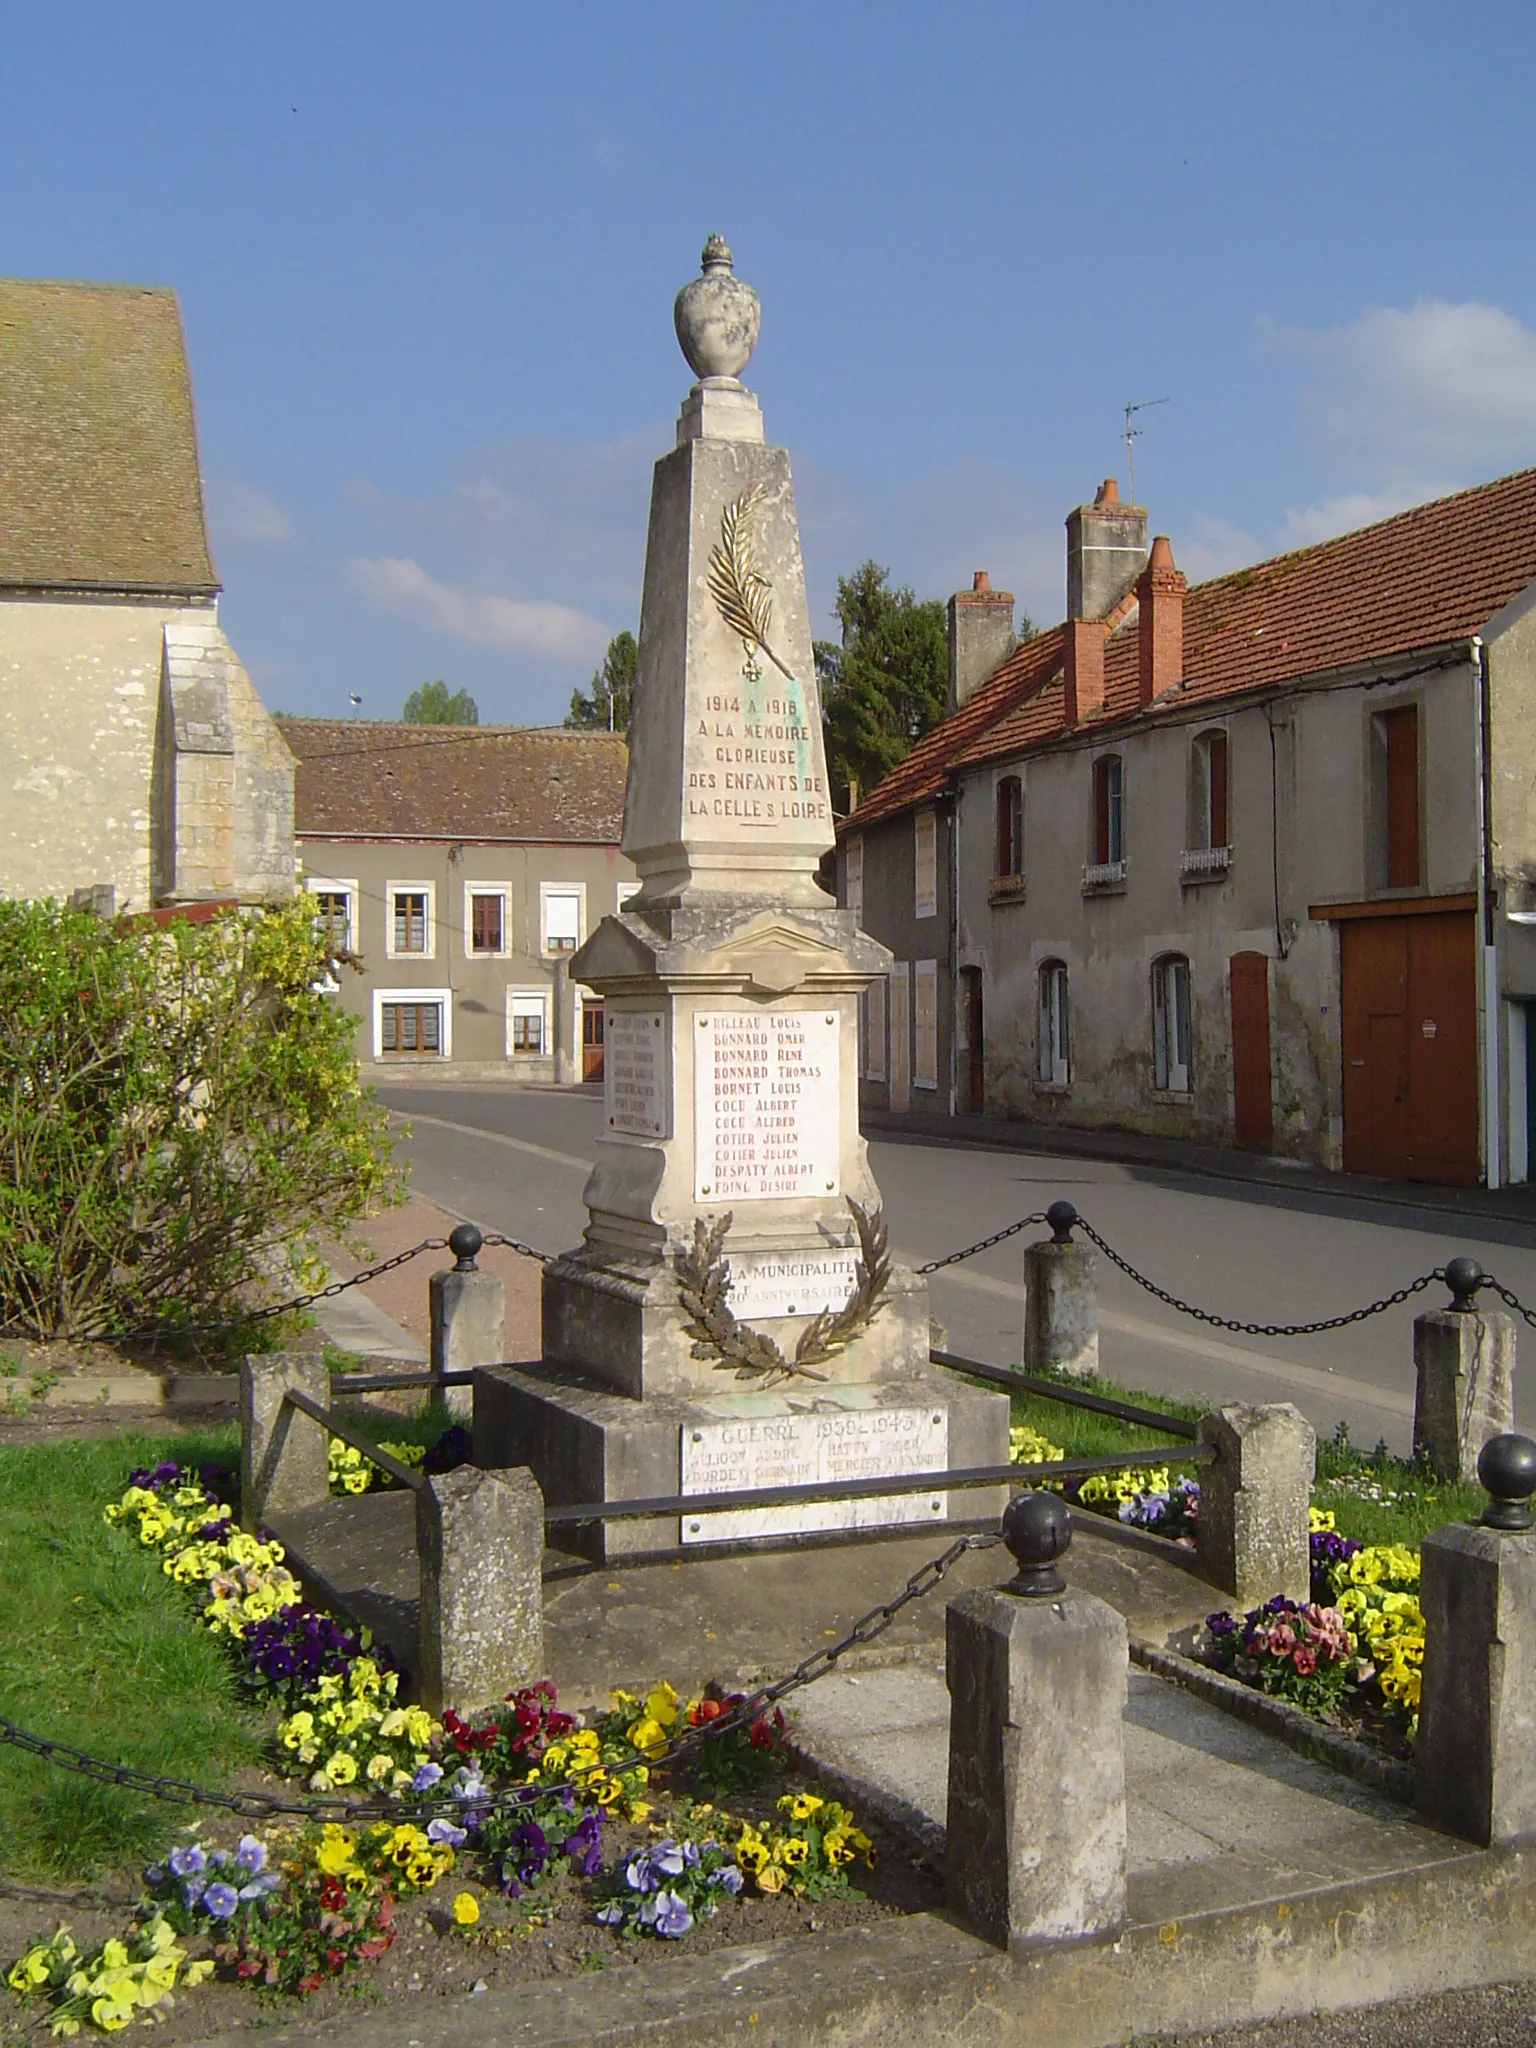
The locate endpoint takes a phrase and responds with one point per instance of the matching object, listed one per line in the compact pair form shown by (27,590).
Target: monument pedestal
(586,1443)
(731,1320)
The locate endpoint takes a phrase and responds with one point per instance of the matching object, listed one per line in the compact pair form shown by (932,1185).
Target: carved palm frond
(743,594)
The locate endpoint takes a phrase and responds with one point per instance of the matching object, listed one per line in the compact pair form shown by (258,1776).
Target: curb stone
(1297,1730)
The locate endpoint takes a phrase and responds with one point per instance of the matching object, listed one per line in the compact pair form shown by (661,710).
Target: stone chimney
(1159,623)
(1083,668)
(981,636)
(1106,552)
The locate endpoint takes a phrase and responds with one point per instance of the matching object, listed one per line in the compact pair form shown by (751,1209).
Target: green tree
(887,682)
(434,704)
(606,705)
(180,1118)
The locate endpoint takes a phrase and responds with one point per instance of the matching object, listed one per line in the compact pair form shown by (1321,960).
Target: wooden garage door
(1410,1047)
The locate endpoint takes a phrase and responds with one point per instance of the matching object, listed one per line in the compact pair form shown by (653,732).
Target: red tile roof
(362,779)
(1426,577)
(925,771)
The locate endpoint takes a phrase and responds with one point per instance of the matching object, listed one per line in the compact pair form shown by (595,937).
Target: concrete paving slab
(735,1618)
(1218,1813)
(353,1323)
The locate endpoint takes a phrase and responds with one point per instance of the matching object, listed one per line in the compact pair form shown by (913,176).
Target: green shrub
(180,1109)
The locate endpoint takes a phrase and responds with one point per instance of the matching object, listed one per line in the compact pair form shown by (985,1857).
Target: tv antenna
(1132,435)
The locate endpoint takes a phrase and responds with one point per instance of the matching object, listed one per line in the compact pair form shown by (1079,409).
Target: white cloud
(553,630)
(565,517)
(240,514)
(1215,548)
(1354,508)
(1436,390)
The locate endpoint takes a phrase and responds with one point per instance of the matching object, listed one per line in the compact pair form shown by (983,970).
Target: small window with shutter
(488,921)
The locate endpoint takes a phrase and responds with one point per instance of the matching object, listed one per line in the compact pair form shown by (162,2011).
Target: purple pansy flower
(444,1831)
(221,1899)
(188,1862)
(668,1913)
(728,1877)
(425,1777)
(251,1854)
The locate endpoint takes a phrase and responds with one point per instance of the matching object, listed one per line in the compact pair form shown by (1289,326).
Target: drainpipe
(1487,951)
(954,951)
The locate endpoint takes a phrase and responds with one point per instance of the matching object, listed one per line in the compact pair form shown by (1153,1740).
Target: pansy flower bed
(520,1833)
(1353,1655)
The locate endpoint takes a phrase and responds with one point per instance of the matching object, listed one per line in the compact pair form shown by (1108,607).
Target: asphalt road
(515,1160)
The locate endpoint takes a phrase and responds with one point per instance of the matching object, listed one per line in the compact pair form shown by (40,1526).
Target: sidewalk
(1172,1156)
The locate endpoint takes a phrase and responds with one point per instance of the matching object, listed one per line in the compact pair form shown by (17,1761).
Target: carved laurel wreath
(704,1285)
(744,595)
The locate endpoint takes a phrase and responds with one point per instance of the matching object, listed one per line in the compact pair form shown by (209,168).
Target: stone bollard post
(468,1315)
(1061,1300)
(1464,1365)
(481,1539)
(1036,1844)
(1251,1538)
(1475,1758)
(282,1453)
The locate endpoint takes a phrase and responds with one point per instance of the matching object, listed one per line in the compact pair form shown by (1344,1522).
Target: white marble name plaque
(766,1118)
(805,1450)
(792,1284)
(635,1072)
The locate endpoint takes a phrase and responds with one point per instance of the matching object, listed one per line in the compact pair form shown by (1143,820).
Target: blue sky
(426,258)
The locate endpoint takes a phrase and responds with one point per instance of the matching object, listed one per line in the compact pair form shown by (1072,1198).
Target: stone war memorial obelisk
(731,1319)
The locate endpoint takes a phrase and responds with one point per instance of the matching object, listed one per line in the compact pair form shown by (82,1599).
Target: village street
(516,1160)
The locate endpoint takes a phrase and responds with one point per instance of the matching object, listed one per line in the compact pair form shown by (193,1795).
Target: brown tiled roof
(99,481)
(365,780)
(1426,577)
(925,771)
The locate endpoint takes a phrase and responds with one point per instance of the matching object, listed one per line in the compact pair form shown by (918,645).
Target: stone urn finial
(717,316)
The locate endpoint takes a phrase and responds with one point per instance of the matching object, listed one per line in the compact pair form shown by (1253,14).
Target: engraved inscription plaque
(804,1450)
(792,1284)
(635,1072)
(765,1105)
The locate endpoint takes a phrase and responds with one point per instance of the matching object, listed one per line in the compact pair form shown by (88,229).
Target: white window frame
(853,873)
(546,891)
(441,996)
(1053,1051)
(521,1002)
(875,1030)
(336,885)
(623,893)
(1172,1024)
(413,888)
(925,1024)
(925,863)
(471,891)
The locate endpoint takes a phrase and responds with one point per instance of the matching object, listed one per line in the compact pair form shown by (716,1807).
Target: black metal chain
(528,1251)
(1203,1315)
(984,1244)
(1509,1298)
(337,1807)
(329,1293)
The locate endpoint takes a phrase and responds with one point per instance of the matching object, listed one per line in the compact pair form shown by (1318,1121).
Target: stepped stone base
(583,1442)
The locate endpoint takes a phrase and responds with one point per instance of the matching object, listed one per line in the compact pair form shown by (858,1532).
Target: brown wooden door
(1410,1047)
(1442,1049)
(1253,1105)
(591,1040)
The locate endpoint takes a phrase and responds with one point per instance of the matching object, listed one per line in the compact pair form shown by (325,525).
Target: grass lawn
(1373,1497)
(101,1651)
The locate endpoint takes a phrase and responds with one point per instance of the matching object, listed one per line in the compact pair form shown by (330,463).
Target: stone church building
(138,766)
